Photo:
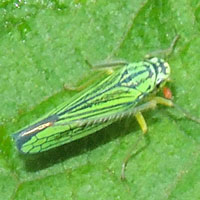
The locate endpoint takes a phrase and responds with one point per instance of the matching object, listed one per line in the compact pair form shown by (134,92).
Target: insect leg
(150,105)
(107,65)
(141,122)
(83,86)
(139,117)
(163,101)
(166,52)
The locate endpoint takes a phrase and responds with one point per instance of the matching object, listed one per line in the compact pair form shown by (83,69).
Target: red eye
(167,93)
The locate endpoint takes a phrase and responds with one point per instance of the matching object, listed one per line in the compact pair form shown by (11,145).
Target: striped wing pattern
(95,108)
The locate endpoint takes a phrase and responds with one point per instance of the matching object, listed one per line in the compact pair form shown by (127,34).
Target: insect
(121,94)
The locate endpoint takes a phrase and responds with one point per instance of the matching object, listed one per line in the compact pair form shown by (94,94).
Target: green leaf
(44,45)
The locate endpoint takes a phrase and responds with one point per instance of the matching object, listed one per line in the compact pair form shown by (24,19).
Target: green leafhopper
(121,94)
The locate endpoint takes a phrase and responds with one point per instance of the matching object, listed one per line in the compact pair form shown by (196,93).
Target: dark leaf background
(43,47)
